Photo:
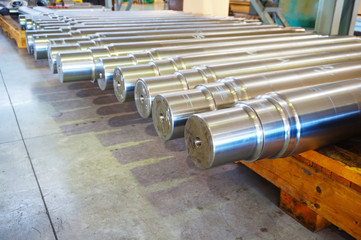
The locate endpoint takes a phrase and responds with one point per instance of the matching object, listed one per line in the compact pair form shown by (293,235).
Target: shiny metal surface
(276,124)
(211,73)
(41,42)
(65,70)
(71,40)
(159,26)
(222,53)
(91,63)
(59,24)
(124,32)
(123,49)
(127,27)
(179,106)
(104,69)
(69,52)
(201,75)
(53,52)
(169,23)
(212,33)
(29,40)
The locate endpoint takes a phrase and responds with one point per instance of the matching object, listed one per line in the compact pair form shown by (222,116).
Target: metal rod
(147,87)
(42,45)
(248,50)
(29,38)
(104,67)
(223,93)
(89,74)
(276,124)
(120,46)
(167,128)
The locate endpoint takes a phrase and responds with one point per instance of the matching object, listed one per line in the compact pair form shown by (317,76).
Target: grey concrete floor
(76,164)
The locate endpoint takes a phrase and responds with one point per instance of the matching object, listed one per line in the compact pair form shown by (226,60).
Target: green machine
(331,17)
(300,13)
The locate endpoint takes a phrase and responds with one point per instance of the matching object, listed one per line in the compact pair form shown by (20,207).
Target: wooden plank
(343,168)
(329,198)
(12,29)
(240,6)
(302,213)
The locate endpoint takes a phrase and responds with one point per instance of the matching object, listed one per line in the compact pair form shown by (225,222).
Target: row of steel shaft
(234,89)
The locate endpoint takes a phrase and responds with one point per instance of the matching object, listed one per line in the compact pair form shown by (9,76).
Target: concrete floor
(76,164)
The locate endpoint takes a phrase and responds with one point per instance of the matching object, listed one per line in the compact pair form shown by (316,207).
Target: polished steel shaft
(104,67)
(145,89)
(204,34)
(221,54)
(128,32)
(41,42)
(172,110)
(29,40)
(124,24)
(193,77)
(41,46)
(126,45)
(276,124)
(86,69)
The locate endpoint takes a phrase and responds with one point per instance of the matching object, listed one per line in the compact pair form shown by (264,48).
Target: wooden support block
(240,6)
(331,199)
(302,213)
(12,29)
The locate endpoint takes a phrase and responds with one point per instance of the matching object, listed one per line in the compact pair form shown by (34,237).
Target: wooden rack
(12,29)
(319,188)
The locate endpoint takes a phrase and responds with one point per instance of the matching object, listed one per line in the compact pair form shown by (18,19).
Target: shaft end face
(123,90)
(223,136)
(125,78)
(101,77)
(162,118)
(199,142)
(104,69)
(143,100)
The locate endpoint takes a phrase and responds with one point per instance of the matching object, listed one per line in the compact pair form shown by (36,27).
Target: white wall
(207,7)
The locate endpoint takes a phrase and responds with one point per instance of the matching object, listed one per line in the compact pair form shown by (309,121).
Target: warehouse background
(75,163)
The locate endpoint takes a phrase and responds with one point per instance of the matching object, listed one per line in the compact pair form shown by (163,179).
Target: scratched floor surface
(76,164)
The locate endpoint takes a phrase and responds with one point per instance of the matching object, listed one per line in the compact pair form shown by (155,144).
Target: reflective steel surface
(127,40)
(244,52)
(169,128)
(106,68)
(276,124)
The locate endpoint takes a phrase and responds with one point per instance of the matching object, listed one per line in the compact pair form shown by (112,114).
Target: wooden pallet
(319,188)
(12,29)
(239,6)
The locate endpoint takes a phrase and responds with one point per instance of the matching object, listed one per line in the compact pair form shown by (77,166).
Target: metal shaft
(208,33)
(145,23)
(120,46)
(72,50)
(85,71)
(104,67)
(276,124)
(41,46)
(247,51)
(193,77)
(41,42)
(29,38)
(172,110)
(153,30)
